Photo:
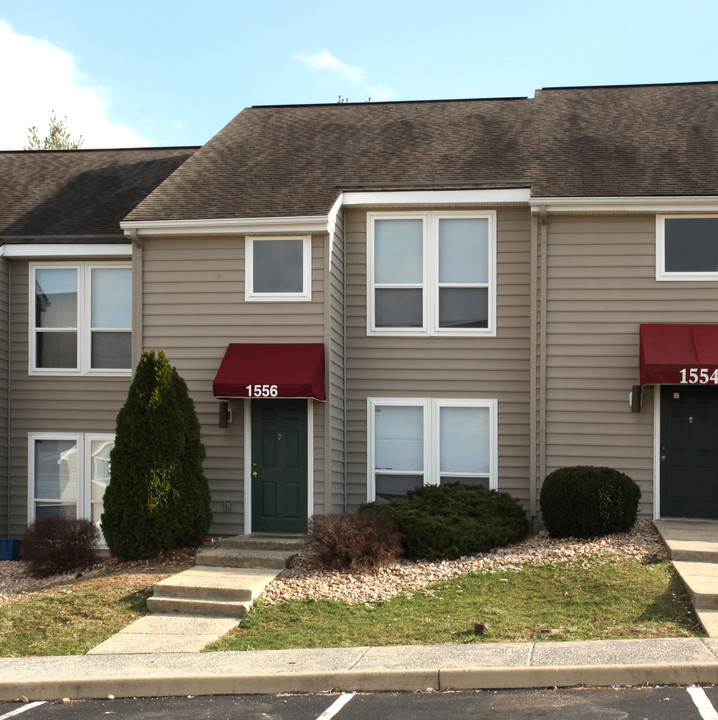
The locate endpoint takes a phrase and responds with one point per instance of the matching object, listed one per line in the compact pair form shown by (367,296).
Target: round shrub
(453,520)
(586,501)
(57,545)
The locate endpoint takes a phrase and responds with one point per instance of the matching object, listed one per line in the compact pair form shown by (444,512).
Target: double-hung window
(687,247)
(80,319)
(278,269)
(68,475)
(431,273)
(421,441)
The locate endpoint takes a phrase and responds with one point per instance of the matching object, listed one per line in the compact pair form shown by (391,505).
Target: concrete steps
(693,549)
(226,580)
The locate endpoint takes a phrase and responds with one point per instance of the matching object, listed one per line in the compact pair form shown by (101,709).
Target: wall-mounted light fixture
(635,398)
(225,414)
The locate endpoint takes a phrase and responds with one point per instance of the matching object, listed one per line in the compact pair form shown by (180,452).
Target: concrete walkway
(195,607)
(693,548)
(414,668)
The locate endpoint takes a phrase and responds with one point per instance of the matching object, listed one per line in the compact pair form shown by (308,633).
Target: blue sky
(174,73)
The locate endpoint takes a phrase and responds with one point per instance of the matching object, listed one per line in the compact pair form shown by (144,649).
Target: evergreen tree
(58,137)
(158,497)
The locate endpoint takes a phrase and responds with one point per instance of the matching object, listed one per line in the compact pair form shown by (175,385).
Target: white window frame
(304,296)
(84,470)
(430,278)
(431,410)
(661,273)
(84,316)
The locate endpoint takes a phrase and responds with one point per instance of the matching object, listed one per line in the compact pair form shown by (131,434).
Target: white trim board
(66,250)
(622,204)
(656,452)
(437,197)
(229,226)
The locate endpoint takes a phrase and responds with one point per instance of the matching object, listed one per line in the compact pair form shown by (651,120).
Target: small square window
(687,247)
(278,269)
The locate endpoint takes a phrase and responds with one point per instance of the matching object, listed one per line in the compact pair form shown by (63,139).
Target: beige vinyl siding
(434,367)
(601,287)
(48,404)
(4,398)
(336,356)
(193,308)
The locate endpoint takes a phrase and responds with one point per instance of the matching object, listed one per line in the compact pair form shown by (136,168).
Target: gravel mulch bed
(303,581)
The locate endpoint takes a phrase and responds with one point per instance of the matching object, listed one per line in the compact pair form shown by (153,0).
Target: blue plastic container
(9,549)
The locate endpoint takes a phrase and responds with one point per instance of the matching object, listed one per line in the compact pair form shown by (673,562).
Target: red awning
(670,352)
(271,370)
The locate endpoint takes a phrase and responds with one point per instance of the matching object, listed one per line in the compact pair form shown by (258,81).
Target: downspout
(137,295)
(8,414)
(543,340)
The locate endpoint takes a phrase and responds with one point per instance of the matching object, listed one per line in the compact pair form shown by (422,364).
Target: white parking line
(334,708)
(22,709)
(701,701)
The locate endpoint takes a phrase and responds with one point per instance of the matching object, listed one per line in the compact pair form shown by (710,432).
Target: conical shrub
(158,497)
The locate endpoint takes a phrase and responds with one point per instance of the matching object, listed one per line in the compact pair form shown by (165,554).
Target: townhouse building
(364,298)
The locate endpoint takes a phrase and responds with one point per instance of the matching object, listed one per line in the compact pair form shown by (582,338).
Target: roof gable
(295,160)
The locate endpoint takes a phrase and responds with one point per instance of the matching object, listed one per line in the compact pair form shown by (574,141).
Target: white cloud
(355,75)
(37,78)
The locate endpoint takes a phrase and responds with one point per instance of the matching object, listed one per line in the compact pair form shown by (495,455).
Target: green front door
(689,451)
(279,466)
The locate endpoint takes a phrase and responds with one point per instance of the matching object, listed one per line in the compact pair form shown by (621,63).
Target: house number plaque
(266,390)
(696,376)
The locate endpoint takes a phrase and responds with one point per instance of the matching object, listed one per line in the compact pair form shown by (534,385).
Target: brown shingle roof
(77,192)
(595,141)
(627,140)
(294,160)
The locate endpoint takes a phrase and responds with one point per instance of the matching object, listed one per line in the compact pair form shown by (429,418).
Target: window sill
(78,373)
(278,298)
(394,332)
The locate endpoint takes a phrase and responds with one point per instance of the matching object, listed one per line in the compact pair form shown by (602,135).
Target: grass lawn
(67,621)
(569,601)
(74,614)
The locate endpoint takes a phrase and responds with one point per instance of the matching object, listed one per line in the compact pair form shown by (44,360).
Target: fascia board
(66,250)
(232,226)
(677,203)
(437,197)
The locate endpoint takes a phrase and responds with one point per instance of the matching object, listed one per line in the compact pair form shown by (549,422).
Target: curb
(477,678)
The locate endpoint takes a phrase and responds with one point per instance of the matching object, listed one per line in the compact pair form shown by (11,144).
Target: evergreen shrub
(453,520)
(353,542)
(158,497)
(56,545)
(585,501)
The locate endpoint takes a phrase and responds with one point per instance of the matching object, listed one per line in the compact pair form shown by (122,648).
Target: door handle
(254,474)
